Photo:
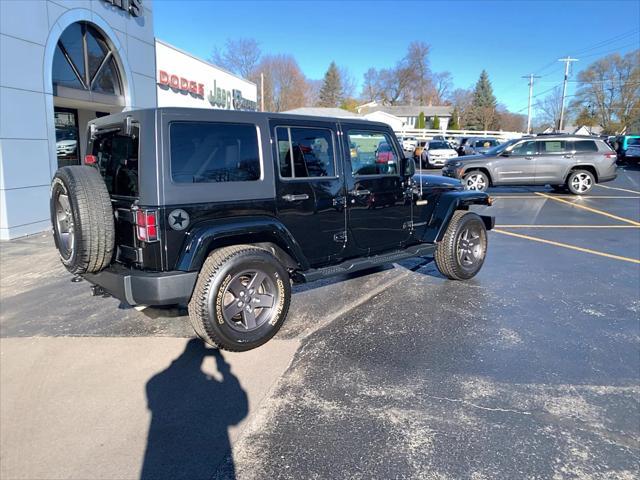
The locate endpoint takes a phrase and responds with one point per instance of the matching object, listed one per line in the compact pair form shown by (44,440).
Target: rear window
(633,141)
(211,152)
(117,160)
(585,146)
(485,143)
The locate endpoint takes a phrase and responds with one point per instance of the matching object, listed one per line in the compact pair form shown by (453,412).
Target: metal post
(531,76)
(567,61)
(262,92)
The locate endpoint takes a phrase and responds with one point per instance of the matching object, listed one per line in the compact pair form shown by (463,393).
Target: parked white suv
(436,153)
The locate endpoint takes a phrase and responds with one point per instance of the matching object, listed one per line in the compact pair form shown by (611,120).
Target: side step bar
(356,264)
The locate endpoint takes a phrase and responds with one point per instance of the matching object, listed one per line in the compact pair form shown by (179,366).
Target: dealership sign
(133,7)
(186,81)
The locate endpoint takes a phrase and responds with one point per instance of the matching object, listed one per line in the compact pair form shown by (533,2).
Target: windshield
(438,146)
(498,149)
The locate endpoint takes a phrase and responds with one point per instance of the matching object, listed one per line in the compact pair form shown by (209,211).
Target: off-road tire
(446,256)
(92,216)
(576,173)
(206,304)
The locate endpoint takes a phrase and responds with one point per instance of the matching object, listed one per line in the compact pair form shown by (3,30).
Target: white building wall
(29,31)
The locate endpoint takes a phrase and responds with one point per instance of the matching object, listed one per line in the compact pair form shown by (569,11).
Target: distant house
(323,112)
(573,130)
(396,123)
(409,113)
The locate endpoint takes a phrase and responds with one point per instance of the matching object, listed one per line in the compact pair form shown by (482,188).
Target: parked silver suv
(574,163)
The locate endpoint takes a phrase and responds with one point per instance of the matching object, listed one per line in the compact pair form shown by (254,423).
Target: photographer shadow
(190,415)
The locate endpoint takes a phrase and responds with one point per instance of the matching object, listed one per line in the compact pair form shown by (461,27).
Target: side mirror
(409,167)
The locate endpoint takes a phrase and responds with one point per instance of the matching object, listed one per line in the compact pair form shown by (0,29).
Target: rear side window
(585,146)
(117,160)
(305,152)
(552,146)
(485,143)
(211,152)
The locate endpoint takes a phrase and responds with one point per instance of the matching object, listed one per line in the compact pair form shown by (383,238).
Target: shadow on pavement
(190,414)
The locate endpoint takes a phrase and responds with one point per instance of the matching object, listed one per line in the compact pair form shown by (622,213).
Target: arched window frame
(87,81)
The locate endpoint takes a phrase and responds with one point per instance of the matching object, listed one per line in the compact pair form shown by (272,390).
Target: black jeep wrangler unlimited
(224,210)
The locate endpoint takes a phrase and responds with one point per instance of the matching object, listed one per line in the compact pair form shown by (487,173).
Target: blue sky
(507,38)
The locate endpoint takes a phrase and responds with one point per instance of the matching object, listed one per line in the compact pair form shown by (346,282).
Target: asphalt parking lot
(529,370)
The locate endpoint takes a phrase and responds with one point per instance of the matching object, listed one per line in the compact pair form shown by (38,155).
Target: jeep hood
(430,181)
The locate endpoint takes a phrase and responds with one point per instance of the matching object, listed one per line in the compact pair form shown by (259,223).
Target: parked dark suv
(573,163)
(224,210)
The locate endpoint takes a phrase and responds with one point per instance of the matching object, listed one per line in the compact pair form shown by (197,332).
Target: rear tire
(580,182)
(461,253)
(82,219)
(228,308)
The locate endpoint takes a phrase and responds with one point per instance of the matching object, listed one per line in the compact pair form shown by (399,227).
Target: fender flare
(262,230)
(448,203)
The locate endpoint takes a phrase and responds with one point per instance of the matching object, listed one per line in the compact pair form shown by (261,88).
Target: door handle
(294,198)
(568,156)
(528,158)
(360,193)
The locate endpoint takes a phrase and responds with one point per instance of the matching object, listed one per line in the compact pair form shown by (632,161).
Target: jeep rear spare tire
(241,298)
(82,218)
(461,253)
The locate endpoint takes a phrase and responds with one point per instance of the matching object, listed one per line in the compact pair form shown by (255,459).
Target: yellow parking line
(584,207)
(567,226)
(618,188)
(570,247)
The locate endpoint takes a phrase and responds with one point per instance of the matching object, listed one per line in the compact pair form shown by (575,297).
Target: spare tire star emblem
(178,219)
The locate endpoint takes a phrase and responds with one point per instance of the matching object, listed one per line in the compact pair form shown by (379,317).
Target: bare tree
(348,82)
(239,56)
(548,109)
(462,100)
(510,122)
(442,85)
(415,66)
(610,88)
(285,86)
(371,88)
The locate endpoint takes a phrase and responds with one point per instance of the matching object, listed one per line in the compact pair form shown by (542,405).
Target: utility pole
(531,76)
(262,92)
(567,61)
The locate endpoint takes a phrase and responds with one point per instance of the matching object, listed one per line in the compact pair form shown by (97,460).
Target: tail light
(610,155)
(147,225)
(90,160)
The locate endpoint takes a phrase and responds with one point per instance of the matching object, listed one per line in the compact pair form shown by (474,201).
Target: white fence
(427,134)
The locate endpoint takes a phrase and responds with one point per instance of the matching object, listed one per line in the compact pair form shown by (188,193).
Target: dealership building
(66,62)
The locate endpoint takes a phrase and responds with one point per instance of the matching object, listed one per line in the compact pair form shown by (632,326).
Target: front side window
(552,146)
(117,160)
(305,152)
(525,148)
(210,152)
(375,154)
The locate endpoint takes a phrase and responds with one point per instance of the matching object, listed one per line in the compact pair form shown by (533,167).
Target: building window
(84,60)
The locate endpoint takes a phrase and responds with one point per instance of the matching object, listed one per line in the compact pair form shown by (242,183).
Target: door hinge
(339,201)
(340,237)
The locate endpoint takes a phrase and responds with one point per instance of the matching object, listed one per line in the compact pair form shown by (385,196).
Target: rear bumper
(145,288)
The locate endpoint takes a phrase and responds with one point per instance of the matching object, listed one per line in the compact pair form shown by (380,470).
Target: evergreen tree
(453,123)
(420,123)
(483,114)
(436,123)
(331,90)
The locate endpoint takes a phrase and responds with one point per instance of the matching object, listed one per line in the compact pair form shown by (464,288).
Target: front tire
(580,182)
(461,253)
(476,180)
(241,298)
